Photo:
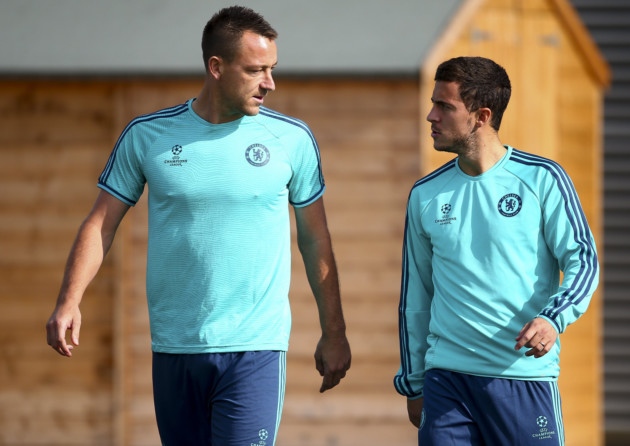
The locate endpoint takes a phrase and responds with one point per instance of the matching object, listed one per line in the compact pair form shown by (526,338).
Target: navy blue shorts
(462,409)
(220,399)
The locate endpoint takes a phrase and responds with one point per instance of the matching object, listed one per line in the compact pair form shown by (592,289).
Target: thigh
(446,418)
(220,399)
(246,405)
(519,413)
(181,385)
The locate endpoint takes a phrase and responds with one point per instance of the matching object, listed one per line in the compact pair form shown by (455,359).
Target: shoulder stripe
(436,173)
(583,282)
(302,125)
(164,113)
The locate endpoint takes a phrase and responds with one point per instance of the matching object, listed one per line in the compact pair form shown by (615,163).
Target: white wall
(163,36)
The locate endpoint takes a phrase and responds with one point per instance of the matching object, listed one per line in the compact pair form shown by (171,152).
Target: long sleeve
(415,305)
(569,238)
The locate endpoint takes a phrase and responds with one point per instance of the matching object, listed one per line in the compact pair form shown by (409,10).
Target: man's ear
(484,115)
(215,67)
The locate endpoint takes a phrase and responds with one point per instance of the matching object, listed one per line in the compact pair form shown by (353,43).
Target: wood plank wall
(55,137)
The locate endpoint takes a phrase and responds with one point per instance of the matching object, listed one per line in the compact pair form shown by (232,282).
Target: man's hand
(332,360)
(414,410)
(538,335)
(60,321)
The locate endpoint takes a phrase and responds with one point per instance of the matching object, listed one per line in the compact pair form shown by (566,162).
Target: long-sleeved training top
(482,257)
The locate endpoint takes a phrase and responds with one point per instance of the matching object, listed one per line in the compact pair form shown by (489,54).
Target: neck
(482,158)
(207,106)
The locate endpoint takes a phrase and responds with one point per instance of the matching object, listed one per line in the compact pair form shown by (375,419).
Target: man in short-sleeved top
(218,205)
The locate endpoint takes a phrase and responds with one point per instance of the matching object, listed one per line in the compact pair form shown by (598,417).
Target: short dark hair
(482,83)
(222,34)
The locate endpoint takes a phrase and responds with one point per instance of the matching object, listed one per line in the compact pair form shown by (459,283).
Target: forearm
(85,258)
(93,240)
(332,355)
(321,271)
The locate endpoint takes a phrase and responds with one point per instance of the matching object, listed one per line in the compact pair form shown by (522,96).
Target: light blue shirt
(219,255)
(482,257)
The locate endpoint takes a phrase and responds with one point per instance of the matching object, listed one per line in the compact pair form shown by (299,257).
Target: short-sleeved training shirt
(218,261)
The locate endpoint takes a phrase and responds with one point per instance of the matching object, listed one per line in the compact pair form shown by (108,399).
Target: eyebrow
(262,66)
(439,102)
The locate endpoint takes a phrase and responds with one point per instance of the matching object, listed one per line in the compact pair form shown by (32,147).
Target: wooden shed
(56,134)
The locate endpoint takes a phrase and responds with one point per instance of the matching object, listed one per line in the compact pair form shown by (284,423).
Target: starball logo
(445,211)
(176,159)
(263,434)
(544,432)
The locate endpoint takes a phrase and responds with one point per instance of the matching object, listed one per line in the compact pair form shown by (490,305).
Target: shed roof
(163,37)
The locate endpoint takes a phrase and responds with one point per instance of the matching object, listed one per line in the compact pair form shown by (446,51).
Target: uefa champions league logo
(263,434)
(176,160)
(545,432)
(445,218)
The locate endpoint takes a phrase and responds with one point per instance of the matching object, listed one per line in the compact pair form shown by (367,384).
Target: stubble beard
(461,146)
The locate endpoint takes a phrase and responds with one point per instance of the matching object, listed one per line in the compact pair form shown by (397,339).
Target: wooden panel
(323,420)
(537,85)
(49,112)
(52,136)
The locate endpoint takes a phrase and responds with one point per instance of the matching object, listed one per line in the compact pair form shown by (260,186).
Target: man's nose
(268,83)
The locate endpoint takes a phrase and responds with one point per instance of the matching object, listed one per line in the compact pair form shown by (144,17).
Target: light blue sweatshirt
(482,257)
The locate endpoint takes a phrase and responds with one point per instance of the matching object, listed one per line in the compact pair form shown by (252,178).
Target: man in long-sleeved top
(486,237)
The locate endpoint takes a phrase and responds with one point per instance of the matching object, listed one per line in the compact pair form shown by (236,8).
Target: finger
(62,347)
(326,382)
(66,351)
(523,337)
(76,328)
(51,333)
(55,334)
(537,351)
(535,342)
(531,339)
(319,365)
(532,352)
(330,380)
